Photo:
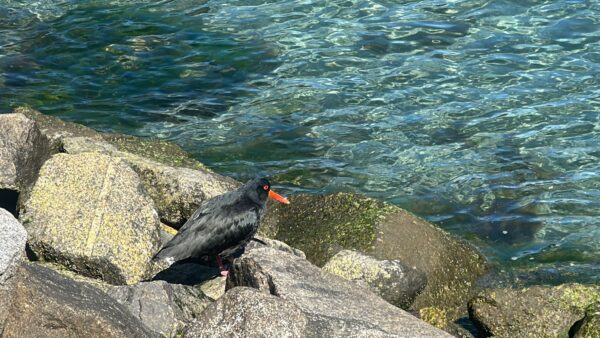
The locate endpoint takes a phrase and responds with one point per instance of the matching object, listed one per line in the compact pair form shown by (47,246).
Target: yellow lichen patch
(168,229)
(90,213)
(434,316)
(579,296)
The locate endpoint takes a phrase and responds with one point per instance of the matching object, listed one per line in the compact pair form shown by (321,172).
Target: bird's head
(260,189)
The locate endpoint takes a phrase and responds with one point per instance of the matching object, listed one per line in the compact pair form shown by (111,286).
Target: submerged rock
(90,213)
(176,191)
(538,311)
(23,150)
(164,308)
(334,307)
(247,312)
(49,305)
(13,238)
(321,226)
(392,280)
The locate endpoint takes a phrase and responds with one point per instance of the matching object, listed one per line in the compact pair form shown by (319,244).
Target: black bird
(222,226)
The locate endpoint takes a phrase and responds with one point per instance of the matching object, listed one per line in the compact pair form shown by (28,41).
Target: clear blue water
(481,116)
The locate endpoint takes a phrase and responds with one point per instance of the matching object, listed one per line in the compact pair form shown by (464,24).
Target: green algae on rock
(89,212)
(322,225)
(158,150)
(537,311)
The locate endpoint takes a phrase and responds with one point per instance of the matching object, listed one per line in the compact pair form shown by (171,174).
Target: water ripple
(482,116)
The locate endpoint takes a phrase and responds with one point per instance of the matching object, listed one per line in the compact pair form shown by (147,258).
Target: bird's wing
(214,227)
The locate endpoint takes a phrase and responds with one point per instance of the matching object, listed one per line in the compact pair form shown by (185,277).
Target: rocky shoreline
(82,213)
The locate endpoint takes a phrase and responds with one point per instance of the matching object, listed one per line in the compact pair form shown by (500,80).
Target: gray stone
(23,150)
(246,312)
(56,129)
(335,307)
(323,225)
(537,311)
(13,238)
(214,288)
(49,305)
(392,280)
(260,242)
(164,308)
(89,212)
(176,191)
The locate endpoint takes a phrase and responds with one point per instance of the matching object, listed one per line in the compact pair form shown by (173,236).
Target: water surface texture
(482,116)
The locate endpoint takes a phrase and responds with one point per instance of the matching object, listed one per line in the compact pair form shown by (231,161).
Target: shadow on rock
(187,273)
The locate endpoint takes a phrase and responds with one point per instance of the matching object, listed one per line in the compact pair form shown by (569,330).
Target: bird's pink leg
(224,272)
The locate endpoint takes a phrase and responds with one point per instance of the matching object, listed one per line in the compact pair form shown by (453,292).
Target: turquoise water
(482,116)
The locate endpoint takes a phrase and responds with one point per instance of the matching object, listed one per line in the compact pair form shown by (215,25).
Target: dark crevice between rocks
(31,256)
(8,201)
(465,323)
(575,327)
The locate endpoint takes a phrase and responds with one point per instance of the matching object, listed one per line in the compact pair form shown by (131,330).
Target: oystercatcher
(222,226)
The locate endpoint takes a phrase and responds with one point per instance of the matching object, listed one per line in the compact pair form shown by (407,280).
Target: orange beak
(278,197)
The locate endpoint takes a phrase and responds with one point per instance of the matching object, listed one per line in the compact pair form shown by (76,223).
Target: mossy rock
(158,150)
(323,225)
(538,311)
(90,213)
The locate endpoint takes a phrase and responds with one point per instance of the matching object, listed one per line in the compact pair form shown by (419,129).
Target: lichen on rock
(391,279)
(323,225)
(537,311)
(90,213)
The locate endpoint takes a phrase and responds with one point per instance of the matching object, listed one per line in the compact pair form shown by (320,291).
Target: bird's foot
(222,269)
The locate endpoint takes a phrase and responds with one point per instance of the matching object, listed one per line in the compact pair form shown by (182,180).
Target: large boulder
(164,308)
(89,212)
(247,312)
(321,226)
(335,307)
(13,238)
(392,280)
(538,311)
(176,191)
(23,149)
(49,305)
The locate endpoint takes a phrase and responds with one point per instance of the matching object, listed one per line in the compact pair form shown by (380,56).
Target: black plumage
(223,225)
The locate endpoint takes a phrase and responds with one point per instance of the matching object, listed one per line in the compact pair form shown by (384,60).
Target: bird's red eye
(266,187)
